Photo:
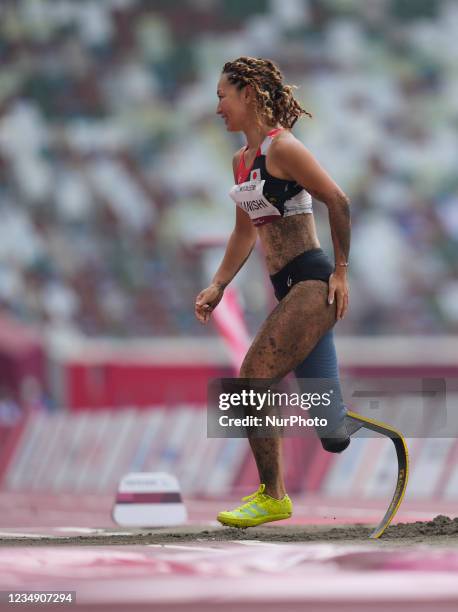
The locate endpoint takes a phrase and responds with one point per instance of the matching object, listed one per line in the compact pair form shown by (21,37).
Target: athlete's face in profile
(234,104)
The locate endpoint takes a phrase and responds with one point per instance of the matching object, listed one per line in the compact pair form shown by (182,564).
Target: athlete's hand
(338,290)
(207,301)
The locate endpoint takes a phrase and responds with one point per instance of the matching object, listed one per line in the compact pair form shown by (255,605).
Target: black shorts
(309,265)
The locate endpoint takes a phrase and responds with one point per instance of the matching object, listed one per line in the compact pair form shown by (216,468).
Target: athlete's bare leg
(287,336)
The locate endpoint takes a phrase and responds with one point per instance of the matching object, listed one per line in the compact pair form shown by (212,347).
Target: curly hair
(275,101)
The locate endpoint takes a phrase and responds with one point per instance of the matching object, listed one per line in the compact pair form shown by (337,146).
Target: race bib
(250,197)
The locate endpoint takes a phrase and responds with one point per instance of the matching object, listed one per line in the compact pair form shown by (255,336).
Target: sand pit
(442,530)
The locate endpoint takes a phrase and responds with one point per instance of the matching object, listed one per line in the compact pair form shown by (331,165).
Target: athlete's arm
(294,159)
(299,164)
(238,249)
(239,246)
(240,243)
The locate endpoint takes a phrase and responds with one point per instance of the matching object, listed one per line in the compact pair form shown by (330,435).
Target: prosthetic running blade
(353,423)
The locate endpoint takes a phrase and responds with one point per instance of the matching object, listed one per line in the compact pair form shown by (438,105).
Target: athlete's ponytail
(275,101)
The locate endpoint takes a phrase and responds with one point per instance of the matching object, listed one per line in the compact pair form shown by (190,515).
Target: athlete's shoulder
(286,148)
(236,160)
(284,142)
(236,157)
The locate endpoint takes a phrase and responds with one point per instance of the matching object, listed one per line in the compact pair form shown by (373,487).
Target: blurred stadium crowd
(114,167)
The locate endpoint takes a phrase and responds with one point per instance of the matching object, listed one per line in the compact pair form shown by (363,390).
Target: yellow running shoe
(260,508)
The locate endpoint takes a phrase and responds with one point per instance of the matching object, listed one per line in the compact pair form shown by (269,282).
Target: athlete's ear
(248,94)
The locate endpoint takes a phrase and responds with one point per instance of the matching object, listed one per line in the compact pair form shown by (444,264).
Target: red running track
(238,576)
(229,576)
(84,510)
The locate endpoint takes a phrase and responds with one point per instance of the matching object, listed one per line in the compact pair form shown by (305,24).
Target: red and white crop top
(263,196)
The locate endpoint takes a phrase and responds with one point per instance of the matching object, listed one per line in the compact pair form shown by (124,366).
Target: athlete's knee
(256,369)
(261,374)
(247,370)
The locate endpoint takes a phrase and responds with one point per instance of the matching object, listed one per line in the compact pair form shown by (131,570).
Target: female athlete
(276,177)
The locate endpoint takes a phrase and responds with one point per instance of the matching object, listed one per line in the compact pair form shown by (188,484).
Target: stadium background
(114,179)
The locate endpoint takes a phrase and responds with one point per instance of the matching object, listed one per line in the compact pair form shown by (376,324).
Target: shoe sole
(253,522)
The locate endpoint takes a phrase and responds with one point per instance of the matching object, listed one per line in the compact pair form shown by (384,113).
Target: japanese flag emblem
(255,175)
